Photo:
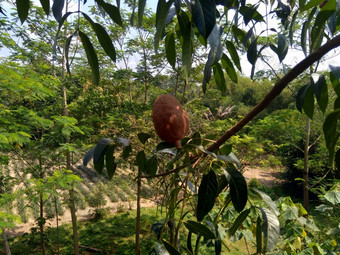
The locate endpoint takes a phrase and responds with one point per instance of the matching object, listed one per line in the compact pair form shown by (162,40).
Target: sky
(292,58)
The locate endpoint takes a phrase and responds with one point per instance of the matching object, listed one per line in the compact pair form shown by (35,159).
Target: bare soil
(267,177)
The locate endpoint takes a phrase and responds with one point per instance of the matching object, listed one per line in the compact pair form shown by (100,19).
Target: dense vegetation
(57,113)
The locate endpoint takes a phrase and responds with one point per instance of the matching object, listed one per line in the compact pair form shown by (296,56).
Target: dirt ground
(267,177)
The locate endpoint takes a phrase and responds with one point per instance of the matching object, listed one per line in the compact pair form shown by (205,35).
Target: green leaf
(305,100)
(335,78)
(238,188)
(170,49)
(171,249)
(141,8)
(294,229)
(207,193)
(46,6)
(300,98)
(22,8)
(141,161)
(234,55)
(316,37)
(238,222)
(228,66)
(226,149)
(290,213)
(105,41)
(88,156)
(112,10)
(333,196)
(321,93)
(282,47)
(162,12)
(189,244)
(292,28)
(143,137)
(151,166)
(330,132)
(250,13)
(311,4)
(204,16)
(100,149)
(57,9)
(67,49)
(199,229)
(259,235)
(126,151)
(268,201)
(252,52)
(270,229)
(111,165)
(337,160)
(103,38)
(91,56)
(219,78)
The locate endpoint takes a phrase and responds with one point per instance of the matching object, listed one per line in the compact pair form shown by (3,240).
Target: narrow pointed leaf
(282,47)
(67,50)
(59,27)
(141,161)
(101,148)
(238,222)
(163,8)
(252,52)
(88,156)
(321,93)
(199,229)
(111,165)
(207,193)
(91,56)
(300,98)
(219,78)
(105,41)
(337,160)
(308,102)
(292,28)
(22,8)
(126,151)
(141,8)
(189,244)
(170,49)
(330,132)
(228,66)
(270,229)
(143,137)
(238,188)
(335,82)
(268,201)
(151,166)
(112,11)
(171,249)
(234,55)
(57,9)
(204,16)
(46,6)
(259,235)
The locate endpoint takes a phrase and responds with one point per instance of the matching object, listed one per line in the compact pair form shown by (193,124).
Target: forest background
(62,93)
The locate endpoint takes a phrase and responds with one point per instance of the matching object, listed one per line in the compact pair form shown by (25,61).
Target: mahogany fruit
(170,120)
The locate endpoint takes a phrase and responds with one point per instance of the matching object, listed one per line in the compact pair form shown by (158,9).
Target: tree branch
(277,89)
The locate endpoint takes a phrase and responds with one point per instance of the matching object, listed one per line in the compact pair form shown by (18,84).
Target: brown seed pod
(170,120)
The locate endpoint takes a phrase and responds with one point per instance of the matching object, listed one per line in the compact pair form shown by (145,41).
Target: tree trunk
(306,167)
(139,184)
(6,245)
(41,226)
(57,221)
(74,223)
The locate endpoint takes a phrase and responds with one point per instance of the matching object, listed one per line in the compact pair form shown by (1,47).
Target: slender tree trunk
(138,228)
(306,167)
(6,245)
(41,226)
(68,156)
(57,221)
